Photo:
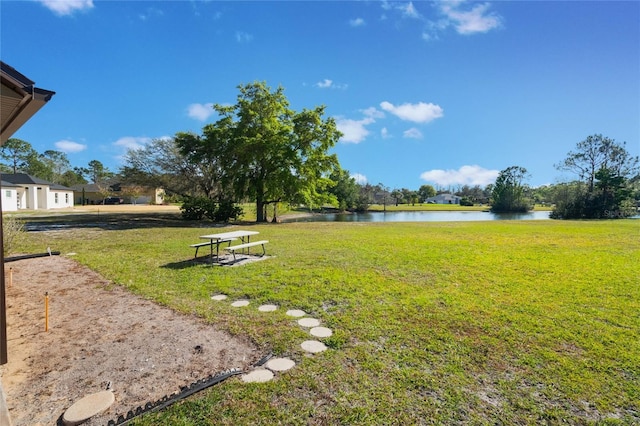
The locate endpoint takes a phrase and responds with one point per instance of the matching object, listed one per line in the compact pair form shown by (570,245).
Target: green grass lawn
(523,322)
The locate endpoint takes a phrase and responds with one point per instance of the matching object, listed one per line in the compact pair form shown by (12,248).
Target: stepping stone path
(265,373)
(313,346)
(280,364)
(259,375)
(321,332)
(308,322)
(87,407)
(219,297)
(267,308)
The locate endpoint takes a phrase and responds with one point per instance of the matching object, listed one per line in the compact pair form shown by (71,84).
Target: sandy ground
(99,334)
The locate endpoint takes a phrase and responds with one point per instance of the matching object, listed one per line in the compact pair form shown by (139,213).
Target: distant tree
(397,196)
(345,189)
(407,195)
(97,172)
(466,201)
(426,191)
(597,152)
(606,174)
(161,164)
(509,191)
(381,195)
(17,153)
(105,190)
(366,197)
(56,163)
(132,191)
(266,151)
(474,194)
(71,178)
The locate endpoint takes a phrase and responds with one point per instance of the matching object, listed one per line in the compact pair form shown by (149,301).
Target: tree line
(19,156)
(260,150)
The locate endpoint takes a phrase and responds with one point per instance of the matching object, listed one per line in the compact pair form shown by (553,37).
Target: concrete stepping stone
(260,375)
(87,407)
(280,364)
(240,303)
(321,332)
(267,308)
(308,322)
(296,313)
(219,297)
(313,346)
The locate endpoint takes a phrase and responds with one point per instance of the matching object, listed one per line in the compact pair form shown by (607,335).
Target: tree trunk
(260,216)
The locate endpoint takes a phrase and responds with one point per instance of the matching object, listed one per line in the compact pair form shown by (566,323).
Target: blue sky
(442,93)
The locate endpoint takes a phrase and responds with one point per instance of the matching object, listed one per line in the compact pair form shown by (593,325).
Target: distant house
(444,199)
(23,192)
(91,193)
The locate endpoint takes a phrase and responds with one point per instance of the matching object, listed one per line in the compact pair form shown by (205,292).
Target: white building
(444,199)
(23,192)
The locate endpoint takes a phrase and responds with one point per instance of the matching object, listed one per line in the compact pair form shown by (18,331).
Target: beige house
(116,193)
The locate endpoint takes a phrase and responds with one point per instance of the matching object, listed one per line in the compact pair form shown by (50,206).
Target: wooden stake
(46,311)
(10,277)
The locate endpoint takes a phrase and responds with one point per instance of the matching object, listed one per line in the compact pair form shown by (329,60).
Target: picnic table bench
(211,243)
(233,249)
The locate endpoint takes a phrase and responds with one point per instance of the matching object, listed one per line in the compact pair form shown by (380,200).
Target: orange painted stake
(46,311)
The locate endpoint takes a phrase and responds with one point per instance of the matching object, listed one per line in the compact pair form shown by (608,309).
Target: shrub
(227,210)
(197,208)
(465,201)
(13,231)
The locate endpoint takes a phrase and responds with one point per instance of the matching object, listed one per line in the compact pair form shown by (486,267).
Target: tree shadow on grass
(117,222)
(189,263)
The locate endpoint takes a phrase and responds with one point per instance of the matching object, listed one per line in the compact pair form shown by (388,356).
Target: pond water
(422,216)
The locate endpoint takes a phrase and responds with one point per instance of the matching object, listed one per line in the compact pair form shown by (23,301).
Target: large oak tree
(265,151)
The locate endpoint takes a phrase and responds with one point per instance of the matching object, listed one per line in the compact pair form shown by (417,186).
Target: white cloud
(132,142)
(242,37)
(384,133)
(418,113)
(409,10)
(372,112)
(357,22)
(329,84)
(353,131)
(475,20)
(67,7)
(324,84)
(151,13)
(412,133)
(70,146)
(465,175)
(200,111)
(359,178)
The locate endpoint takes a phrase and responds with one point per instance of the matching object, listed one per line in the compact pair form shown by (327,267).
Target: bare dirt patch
(100,333)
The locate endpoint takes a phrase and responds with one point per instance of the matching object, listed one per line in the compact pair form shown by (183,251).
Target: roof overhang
(20,100)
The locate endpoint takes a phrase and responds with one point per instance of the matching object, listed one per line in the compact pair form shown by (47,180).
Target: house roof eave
(20,100)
